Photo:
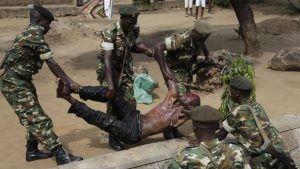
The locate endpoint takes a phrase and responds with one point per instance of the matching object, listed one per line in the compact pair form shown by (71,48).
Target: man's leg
(211,4)
(123,130)
(202,7)
(191,7)
(186,3)
(23,100)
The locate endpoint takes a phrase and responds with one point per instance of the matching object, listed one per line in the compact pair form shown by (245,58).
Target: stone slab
(157,155)
(134,157)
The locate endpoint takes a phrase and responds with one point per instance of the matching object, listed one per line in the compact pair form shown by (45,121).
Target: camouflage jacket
(241,124)
(116,41)
(222,156)
(28,52)
(180,51)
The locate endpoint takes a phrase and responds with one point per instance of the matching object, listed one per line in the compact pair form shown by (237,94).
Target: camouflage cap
(44,12)
(241,83)
(129,10)
(204,116)
(203,27)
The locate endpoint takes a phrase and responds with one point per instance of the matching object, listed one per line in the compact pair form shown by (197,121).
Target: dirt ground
(75,49)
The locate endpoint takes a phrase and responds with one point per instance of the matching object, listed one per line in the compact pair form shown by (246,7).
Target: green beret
(241,83)
(203,27)
(44,12)
(204,116)
(129,10)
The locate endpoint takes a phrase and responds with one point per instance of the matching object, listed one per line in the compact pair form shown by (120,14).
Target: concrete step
(72,10)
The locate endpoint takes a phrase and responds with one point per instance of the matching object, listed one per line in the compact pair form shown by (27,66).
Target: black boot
(33,153)
(62,157)
(168,134)
(115,144)
(177,133)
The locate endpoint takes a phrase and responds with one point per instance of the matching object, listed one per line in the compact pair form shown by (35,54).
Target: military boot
(33,153)
(168,134)
(114,143)
(177,133)
(62,157)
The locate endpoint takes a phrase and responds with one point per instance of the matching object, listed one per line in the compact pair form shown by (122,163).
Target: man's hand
(150,52)
(74,87)
(110,94)
(193,141)
(63,90)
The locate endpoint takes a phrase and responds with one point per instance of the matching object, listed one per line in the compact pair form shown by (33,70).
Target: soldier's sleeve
(174,164)
(238,157)
(174,42)
(107,40)
(37,43)
(180,161)
(233,120)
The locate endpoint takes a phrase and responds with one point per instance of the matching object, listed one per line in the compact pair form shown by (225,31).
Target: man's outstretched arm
(59,73)
(160,58)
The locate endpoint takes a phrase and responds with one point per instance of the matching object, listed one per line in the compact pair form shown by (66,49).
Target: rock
(286,60)
(278,26)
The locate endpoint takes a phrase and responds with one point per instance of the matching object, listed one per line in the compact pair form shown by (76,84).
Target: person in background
(188,5)
(200,3)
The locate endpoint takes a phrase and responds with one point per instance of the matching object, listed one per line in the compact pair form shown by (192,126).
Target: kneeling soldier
(211,153)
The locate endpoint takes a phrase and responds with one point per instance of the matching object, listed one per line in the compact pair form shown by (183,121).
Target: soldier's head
(201,31)
(41,16)
(205,121)
(129,15)
(189,100)
(240,89)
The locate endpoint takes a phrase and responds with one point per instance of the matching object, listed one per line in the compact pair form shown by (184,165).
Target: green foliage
(222,3)
(237,67)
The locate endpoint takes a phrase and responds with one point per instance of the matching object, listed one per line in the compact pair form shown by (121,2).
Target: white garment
(201,3)
(108,5)
(188,3)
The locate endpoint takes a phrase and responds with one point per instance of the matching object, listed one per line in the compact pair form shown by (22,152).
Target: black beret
(204,116)
(44,12)
(241,83)
(129,10)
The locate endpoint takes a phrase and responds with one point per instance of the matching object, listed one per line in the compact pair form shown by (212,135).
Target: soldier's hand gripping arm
(59,73)
(108,73)
(142,48)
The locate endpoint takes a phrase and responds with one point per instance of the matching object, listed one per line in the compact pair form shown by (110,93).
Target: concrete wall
(26,2)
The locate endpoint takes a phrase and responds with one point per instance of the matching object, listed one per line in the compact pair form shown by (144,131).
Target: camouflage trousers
(21,95)
(184,80)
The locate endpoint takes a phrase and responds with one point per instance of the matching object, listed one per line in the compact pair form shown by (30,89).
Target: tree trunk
(247,29)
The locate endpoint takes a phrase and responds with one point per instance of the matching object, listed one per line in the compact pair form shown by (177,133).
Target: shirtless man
(133,126)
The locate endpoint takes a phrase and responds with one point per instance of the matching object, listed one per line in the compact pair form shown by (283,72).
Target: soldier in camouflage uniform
(26,56)
(211,153)
(182,51)
(115,63)
(241,123)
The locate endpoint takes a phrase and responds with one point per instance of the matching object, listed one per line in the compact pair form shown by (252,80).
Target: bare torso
(159,118)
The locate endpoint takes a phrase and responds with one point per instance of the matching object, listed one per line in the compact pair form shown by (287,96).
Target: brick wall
(26,2)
